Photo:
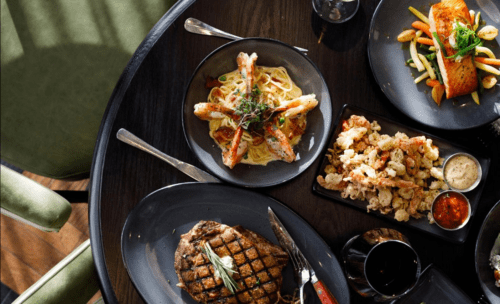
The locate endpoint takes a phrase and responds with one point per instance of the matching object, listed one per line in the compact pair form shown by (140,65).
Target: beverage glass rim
(417,274)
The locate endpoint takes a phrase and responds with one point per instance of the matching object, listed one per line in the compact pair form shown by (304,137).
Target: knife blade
(286,241)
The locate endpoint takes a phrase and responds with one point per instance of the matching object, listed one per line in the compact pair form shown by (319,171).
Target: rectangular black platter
(446,149)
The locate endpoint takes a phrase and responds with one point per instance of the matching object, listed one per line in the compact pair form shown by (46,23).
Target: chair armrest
(73,280)
(27,201)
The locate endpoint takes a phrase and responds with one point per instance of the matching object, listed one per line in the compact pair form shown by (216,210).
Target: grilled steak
(258,264)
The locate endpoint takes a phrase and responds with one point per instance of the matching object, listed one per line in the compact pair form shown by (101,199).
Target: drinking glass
(335,11)
(381,264)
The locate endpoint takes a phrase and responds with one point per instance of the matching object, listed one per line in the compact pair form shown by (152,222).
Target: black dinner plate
(487,235)
(153,229)
(445,149)
(387,59)
(306,76)
(435,287)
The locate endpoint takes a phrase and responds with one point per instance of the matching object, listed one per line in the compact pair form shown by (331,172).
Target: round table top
(147,101)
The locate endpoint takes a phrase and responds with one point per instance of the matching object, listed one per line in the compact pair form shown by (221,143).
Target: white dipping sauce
(461,172)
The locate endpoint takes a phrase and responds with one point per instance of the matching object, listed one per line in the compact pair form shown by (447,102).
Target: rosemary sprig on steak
(222,269)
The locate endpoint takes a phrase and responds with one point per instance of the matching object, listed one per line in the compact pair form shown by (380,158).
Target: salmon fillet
(259,264)
(459,78)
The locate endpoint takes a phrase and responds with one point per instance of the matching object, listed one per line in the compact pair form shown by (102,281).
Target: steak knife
(289,245)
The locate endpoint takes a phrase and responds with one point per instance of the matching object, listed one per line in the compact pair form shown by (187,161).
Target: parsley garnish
(250,109)
(466,40)
(222,78)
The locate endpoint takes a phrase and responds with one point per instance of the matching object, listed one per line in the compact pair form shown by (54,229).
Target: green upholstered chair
(73,280)
(60,60)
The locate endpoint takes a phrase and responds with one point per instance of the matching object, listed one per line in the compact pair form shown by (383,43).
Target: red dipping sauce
(450,210)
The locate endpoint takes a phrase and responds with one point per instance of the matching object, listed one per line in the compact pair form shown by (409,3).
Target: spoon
(187,169)
(195,26)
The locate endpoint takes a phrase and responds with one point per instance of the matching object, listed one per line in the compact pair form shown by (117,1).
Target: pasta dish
(256,114)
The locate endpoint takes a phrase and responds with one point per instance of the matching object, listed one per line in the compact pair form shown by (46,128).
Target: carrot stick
(422,26)
(426,41)
(487,60)
(432,82)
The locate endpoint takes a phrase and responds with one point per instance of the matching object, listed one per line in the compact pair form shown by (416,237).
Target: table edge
(104,136)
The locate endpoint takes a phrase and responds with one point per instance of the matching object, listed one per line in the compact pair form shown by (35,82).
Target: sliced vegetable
(488,32)
(422,77)
(426,41)
(475,96)
(484,50)
(427,66)
(476,22)
(432,82)
(489,81)
(424,27)
(419,14)
(406,36)
(414,55)
(487,60)
(437,93)
(437,71)
(487,68)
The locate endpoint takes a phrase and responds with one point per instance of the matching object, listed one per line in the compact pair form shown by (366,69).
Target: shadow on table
(343,36)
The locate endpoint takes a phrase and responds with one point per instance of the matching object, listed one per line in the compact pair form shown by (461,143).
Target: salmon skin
(459,77)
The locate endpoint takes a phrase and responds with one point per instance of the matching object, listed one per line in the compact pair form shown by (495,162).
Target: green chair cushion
(60,63)
(30,202)
(73,280)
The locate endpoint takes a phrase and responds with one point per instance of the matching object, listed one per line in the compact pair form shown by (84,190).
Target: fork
(196,26)
(301,271)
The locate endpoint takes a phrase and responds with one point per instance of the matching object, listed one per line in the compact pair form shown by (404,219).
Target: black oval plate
(153,229)
(303,72)
(487,235)
(387,59)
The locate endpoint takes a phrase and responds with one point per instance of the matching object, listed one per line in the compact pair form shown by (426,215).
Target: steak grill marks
(258,275)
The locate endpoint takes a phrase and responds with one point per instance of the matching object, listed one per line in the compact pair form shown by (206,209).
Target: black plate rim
(477,249)
(271,199)
(394,103)
(425,273)
(317,189)
(328,128)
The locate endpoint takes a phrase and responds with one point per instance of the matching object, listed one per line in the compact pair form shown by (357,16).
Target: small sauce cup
(448,171)
(451,210)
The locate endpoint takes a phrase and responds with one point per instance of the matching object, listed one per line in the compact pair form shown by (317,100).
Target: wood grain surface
(151,108)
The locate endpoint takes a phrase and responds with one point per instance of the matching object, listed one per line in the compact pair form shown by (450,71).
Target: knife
(288,244)
(188,169)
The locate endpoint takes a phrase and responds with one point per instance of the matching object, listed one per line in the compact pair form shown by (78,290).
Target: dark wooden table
(148,98)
